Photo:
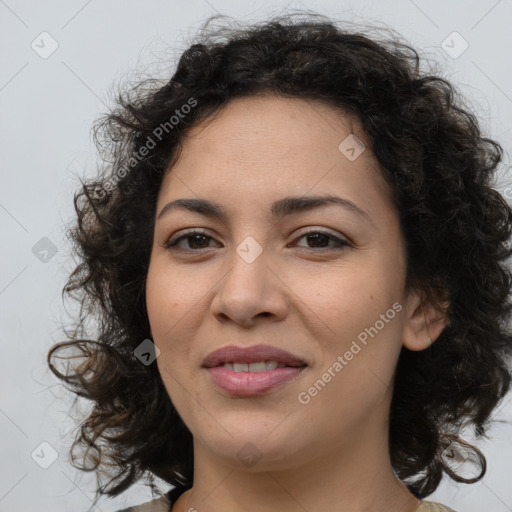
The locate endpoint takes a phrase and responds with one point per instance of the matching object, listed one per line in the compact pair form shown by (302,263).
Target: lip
(252,354)
(251,383)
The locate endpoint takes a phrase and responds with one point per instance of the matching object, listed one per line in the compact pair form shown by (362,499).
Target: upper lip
(252,354)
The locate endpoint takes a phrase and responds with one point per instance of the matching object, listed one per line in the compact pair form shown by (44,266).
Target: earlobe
(424,323)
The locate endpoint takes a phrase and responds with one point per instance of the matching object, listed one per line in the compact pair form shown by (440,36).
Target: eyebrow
(279,209)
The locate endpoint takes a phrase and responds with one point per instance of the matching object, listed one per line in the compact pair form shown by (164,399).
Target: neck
(355,476)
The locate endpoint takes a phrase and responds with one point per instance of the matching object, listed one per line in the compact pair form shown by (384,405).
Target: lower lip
(251,383)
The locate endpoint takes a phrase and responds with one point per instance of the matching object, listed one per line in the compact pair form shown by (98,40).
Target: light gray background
(47,108)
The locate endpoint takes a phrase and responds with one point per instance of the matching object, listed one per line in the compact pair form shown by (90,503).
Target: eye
(198,239)
(320,237)
(193,237)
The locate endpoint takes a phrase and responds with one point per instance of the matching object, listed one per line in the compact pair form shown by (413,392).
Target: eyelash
(340,244)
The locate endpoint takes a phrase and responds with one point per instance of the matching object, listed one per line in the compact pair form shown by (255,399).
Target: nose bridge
(248,269)
(249,287)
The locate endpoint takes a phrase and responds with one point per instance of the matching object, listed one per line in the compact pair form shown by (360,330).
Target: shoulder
(430,506)
(161,504)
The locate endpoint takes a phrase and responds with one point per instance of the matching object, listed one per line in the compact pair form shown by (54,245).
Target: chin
(256,448)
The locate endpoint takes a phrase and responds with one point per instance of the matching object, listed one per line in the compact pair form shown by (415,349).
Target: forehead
(278,124)
(269,146)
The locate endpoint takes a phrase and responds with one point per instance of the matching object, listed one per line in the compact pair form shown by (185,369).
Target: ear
(423,322)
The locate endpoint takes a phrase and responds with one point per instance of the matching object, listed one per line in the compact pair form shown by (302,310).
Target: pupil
(195,237)
(317,235)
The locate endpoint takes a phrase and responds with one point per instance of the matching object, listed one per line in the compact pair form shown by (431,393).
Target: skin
(299,294)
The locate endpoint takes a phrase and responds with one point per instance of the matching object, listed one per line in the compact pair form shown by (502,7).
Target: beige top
(164,505)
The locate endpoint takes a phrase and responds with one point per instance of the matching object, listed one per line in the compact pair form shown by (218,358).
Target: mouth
(251,371)
(257,367)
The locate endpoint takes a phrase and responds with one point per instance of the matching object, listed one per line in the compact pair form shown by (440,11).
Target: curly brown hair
(439,167)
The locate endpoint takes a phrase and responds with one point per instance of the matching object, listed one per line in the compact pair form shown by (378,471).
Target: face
(325,284)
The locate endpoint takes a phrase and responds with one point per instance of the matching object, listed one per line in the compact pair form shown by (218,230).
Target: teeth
(260,366)
(257,367)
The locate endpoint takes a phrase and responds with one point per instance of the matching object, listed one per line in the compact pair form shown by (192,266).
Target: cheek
(343,302)
(176,300)
(164,311)
(171,298)
(355,315)
(360,345)
(166,305)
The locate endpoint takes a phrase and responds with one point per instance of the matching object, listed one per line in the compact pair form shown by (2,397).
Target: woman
(295,260)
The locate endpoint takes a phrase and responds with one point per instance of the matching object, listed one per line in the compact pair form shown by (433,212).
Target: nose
(250,292)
